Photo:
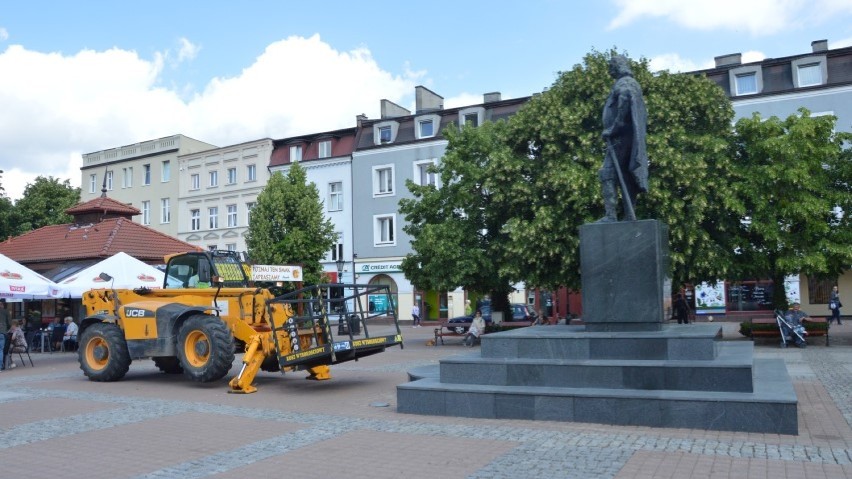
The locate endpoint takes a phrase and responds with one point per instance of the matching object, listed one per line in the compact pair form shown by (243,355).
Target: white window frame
(478,111)
(384,230)
(324,149)
(93,183)
(419,172)
(295,153)
(335,196)
(390,126)
(232,176)
(165,211)
(146,213)
(195,181)
(251,173)
(337,248)
(213,217)
(166,171)
(109,176)
(232,216)
(815,61)
(195,220)
(735,73)
(380,181)
(127,177)
(421,127)
(385,134)
(213,179)
(250,206)
(231,246)
(146,174)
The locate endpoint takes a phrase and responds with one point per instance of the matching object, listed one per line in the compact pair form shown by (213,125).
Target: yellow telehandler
(208,306)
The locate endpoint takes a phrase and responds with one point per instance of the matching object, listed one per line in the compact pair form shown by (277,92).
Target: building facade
(142,175)
(217,189)
(397,147)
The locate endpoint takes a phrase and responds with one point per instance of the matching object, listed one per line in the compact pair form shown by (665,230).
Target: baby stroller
(790,331)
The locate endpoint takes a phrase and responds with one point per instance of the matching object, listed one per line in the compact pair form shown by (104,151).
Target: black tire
(459,330)
(270,364)
(168,365)
(103,353)
(205,348)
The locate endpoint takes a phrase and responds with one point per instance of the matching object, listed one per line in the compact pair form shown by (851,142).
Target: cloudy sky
(78,77)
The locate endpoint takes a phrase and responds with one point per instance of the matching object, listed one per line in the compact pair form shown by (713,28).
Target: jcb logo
(136,313)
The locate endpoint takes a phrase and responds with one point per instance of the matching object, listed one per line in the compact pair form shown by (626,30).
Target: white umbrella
(127,273)
(18,281)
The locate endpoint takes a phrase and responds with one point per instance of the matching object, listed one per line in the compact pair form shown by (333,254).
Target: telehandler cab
(208,305)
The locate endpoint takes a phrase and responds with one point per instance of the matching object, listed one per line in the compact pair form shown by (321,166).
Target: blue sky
(77,77)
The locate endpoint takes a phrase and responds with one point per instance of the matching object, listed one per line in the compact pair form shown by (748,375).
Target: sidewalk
(150,425)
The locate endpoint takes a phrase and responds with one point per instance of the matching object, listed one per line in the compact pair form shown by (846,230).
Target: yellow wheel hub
(97,353)
(197,349)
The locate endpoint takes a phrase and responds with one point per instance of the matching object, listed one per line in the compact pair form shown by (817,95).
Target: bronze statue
(624,122)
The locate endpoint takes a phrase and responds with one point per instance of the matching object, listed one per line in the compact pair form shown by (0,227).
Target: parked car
(520,312)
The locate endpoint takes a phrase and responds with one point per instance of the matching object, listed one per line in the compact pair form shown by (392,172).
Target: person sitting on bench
(477,327)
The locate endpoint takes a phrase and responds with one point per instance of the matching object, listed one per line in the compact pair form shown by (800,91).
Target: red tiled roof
(99,240)
(103,204)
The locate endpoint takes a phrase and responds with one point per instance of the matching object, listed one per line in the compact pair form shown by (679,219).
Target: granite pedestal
(625,366)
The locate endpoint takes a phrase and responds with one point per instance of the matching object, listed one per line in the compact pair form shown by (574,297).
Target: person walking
(834,305)
(415,314)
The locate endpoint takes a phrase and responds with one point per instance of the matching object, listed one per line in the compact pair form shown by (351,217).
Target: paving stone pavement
(152,425)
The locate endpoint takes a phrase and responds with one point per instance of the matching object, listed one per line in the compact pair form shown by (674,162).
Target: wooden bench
(441,331)
(774,332)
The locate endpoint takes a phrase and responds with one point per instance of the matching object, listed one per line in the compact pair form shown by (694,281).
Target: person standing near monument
(626,161)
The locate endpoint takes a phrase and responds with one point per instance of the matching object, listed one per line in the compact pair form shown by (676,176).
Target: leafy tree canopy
(514,195)
(288,226)
(795,180)
(44,203)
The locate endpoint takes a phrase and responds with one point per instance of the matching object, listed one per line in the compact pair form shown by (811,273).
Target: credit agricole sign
(390,267)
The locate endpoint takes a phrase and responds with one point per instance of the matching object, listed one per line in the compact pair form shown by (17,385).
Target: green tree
(457,231)
(7,221)
(288,226)
(514,196)
(44,203)
(795,180)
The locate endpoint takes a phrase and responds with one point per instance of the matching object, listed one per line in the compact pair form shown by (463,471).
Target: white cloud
(675,63)
(755,16)
(188,50)
(4,34)
(56,106)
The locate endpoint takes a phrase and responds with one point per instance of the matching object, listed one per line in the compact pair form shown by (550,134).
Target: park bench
(441,331)
(767,327)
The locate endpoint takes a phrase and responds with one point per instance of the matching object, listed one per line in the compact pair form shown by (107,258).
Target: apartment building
(327,160)
(216,191)
(398,146)
(142,175)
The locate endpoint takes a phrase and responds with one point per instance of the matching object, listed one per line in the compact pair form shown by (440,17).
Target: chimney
(392,110)
(819,45)
(426,100)
(729,60)
(491,97)
(359,119)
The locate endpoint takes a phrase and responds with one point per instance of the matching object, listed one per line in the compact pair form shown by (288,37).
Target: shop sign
(376,268)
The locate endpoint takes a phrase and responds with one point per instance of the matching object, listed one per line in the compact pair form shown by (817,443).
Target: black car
(520,312)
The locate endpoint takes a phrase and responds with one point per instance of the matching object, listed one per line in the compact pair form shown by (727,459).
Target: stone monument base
(680,376)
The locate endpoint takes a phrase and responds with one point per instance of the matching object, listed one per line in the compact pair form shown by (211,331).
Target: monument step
(770,408)
(673,342)
(731,371)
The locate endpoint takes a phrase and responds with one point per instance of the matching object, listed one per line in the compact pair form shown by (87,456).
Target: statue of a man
(624,122)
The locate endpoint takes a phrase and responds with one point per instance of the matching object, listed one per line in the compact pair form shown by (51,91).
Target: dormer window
(473,116)
(746,80)
(809,71)
(426,126)
(385,134)
(295,154)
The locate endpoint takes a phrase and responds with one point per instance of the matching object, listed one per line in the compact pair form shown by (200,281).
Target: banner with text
(263,272)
